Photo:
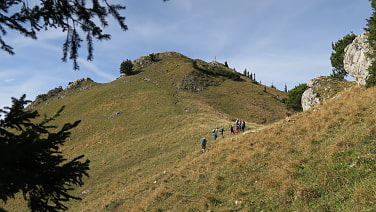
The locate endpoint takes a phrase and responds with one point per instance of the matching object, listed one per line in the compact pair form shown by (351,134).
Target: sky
(285,43)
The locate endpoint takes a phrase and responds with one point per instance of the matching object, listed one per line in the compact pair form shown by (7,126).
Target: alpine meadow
(176,133)
(141,133)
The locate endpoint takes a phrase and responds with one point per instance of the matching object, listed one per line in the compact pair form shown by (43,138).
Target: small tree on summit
(30,160)
(126,67)
(226,64)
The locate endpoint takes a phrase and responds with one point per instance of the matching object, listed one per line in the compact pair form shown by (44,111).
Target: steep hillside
(142,132)
(215,85)
(323,159)
(139,128)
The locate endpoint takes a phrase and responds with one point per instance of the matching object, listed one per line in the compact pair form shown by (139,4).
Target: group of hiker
(239,126)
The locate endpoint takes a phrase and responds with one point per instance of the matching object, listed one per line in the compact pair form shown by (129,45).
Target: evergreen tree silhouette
(30,160)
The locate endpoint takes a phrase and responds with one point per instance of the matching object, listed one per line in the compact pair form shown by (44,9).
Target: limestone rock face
(356,61)
(310,98)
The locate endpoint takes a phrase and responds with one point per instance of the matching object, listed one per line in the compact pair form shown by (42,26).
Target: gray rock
(310,98)
(356,60)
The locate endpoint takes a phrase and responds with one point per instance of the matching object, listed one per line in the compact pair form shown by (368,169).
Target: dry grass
(140,129)
(321,160)
(142,137)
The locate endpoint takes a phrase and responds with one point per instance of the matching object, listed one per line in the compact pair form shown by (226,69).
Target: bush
(294,98)
(153,57)
(371,81)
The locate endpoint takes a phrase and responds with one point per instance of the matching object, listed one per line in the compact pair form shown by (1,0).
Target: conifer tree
(338,54)
(126,67)
(371,29)
(71,17)
(31,162)
(226,64)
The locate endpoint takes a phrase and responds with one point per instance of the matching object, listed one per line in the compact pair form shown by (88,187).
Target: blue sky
(283,42)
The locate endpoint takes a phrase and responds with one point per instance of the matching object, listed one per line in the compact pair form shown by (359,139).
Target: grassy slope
(324,159)
(136,127)
(139,130)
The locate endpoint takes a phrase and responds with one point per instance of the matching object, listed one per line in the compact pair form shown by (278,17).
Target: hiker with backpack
(242,125)
(203,145)
(215,134)
(232,130)
(221,130)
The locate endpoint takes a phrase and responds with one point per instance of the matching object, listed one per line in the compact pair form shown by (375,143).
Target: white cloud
(281,41)
(92,67)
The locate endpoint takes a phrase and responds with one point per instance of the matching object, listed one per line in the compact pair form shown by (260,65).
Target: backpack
(203,141)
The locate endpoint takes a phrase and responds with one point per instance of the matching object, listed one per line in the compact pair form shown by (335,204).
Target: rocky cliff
(356,60)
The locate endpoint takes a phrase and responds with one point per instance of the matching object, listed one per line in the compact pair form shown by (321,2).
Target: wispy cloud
(93,68)
(281,41)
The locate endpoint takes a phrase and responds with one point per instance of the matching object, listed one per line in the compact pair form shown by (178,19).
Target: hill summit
(210,83)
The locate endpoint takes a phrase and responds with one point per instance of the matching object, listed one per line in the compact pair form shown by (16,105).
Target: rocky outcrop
(322,89)
(310,98)
(193,82)
(356,60)
(148,60)
(79,83)
(59,92)
(49,94)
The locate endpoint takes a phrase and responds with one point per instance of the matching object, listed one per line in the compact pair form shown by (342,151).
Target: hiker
(237,127)
(242,125)
(215,134)
(203,145)
(221,130)
(232,130)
